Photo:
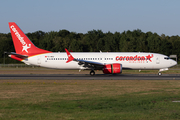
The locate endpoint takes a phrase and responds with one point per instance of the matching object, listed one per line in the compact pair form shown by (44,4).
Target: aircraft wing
(17,55)
(85,63)
(88,62)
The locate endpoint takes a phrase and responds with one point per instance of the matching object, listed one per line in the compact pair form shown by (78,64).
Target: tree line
(95,41)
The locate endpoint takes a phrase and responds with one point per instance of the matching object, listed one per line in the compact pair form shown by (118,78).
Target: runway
(88,77)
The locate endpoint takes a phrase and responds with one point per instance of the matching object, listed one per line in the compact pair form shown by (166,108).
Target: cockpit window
(167,58)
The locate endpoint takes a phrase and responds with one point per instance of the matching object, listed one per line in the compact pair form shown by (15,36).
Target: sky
(81,16)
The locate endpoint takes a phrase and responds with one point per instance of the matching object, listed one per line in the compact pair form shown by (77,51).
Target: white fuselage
(129,60)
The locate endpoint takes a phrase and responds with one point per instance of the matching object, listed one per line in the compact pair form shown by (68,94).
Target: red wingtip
(70,57)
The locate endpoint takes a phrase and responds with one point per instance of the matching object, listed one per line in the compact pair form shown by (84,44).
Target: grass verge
(89,99)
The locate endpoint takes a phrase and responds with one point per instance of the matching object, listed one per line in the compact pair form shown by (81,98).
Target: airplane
(108,62)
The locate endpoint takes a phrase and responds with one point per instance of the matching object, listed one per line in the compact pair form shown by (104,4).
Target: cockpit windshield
(167,58)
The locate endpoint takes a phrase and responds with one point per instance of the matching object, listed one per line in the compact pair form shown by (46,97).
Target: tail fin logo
(21,39)
(26,47)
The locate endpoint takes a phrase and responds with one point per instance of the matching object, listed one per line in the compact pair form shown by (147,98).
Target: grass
(89,99)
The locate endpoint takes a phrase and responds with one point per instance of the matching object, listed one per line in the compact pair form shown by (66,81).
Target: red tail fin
(22,43)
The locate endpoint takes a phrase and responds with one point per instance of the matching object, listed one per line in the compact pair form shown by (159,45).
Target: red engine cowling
(112,68)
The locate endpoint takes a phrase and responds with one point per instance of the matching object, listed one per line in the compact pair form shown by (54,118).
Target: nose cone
(173,62)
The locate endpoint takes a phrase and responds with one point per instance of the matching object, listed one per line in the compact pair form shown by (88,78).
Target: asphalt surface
(88,77)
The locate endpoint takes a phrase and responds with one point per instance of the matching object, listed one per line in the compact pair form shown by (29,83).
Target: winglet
(70,57)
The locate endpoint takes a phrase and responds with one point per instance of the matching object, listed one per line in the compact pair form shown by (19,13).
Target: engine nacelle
(112,68)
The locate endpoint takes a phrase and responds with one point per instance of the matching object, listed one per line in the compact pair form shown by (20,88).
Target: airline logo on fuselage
(135,58)
(21,39)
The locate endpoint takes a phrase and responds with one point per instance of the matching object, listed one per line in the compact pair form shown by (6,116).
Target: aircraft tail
(22,43)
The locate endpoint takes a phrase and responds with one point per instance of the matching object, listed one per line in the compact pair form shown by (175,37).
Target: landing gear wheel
(159,73)
(92,72)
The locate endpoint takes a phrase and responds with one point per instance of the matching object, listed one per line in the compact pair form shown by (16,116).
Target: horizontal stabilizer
(17,55)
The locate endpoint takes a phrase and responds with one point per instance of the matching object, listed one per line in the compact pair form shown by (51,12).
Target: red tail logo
(22,44)
(21,39)
(26,47)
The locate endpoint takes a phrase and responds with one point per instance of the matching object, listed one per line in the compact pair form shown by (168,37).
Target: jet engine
(112,68)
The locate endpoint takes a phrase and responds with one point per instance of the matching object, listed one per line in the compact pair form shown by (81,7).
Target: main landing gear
(92,72)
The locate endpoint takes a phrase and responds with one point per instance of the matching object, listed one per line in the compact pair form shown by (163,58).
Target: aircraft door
(38,59)
(157,60)
(101,58)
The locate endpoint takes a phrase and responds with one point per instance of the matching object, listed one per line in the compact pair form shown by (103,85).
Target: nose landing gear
(159,73)
(164,69)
